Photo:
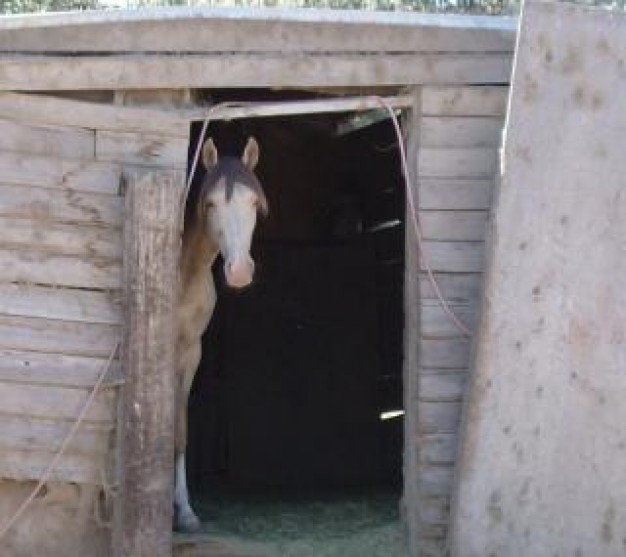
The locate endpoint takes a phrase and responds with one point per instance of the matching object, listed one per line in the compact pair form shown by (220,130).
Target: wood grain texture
(60,174)
(455,193)
(437,324)
(48,110)
(61,238)
(202,30)
(468,226)
(444,353)
(455,131)
(461,287)
(142,148)
(61,303)
(18,433)
(30,465)
(59,337)
(51,141)
(20,266)
(465,100)
(69,206)
(61,370)
(55,402)
(454,257)
(53,73)
(458,162)
(143,518)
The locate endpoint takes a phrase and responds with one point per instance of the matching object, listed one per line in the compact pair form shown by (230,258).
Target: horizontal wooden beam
(480,100)
(50,73)
(277,30)
(67,304)
(39,267)
(61,370)
(48,110)
(60,238)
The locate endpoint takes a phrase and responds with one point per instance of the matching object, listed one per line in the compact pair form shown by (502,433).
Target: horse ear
(209,154)
(250,156)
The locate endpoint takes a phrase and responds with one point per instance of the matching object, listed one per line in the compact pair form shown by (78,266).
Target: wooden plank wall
(61,216)
(460,132)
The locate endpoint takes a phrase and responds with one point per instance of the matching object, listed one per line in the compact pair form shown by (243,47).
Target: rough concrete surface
(542,469)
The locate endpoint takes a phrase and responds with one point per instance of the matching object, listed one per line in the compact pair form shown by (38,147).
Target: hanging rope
(45,477)
(415,222)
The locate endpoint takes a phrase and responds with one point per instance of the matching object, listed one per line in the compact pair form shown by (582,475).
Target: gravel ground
(350,526)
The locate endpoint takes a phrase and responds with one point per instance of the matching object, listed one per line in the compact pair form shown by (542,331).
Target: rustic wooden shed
(97,107)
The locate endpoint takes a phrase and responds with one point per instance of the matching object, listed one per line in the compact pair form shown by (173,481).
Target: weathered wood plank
(67,206)
(468,226)
(61,303)
(201,30)
(437,324)
(455,193)
(444,353)
(454,131)
(410,364)
(59,238)
(442,387)
(488,100)
(55,403)
(53,73)
(42,368)
(59,270)
(60,337)
(143,519)
(74,143)
(141,148)
(437,448)
(470,162)
(435,510)
(18,433)
(48,172)
(454,257)
(439,417)
(436,480)
(457,287)
(30,465)
(43,109)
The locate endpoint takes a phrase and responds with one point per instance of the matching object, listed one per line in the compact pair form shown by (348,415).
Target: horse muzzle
(239,272)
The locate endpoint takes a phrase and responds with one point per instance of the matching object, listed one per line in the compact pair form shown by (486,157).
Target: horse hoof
(189,523)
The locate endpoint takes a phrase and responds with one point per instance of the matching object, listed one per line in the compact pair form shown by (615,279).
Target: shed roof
(186,47)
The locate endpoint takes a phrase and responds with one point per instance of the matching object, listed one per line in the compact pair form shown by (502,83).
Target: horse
(221,221)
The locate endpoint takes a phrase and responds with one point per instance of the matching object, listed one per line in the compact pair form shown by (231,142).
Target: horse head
(230,199)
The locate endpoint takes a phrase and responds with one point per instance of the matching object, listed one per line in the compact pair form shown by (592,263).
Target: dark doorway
(298,371)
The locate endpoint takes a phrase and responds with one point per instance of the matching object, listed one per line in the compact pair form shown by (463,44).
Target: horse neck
(199,251)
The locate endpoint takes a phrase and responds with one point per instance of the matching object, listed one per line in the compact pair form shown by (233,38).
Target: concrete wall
(541,470)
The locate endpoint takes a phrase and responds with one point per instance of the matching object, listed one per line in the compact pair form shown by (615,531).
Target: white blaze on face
(232,222)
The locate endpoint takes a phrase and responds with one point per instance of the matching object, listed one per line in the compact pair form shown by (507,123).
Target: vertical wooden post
(143,521)
(410,502)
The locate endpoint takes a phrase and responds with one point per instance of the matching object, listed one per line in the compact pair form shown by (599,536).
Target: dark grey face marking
(233,171)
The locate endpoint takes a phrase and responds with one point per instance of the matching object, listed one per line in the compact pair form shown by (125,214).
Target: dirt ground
(346,526)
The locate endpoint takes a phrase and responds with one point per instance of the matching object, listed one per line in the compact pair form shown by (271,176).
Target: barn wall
(458,142)
(61,216)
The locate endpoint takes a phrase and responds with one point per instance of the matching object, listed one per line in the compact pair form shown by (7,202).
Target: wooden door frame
(143,515)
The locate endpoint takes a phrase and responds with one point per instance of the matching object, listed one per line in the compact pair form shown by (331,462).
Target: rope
(416,226)
(53,463)
(409,196)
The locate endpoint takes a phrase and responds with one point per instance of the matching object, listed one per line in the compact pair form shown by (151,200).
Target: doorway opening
(295,415)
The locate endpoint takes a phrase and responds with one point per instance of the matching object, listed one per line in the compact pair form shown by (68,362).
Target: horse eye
(256,203)
(209,204)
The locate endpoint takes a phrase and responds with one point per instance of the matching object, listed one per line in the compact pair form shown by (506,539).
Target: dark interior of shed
(298,370)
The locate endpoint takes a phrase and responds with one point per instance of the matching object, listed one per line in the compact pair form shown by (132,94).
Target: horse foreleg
(186,519)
